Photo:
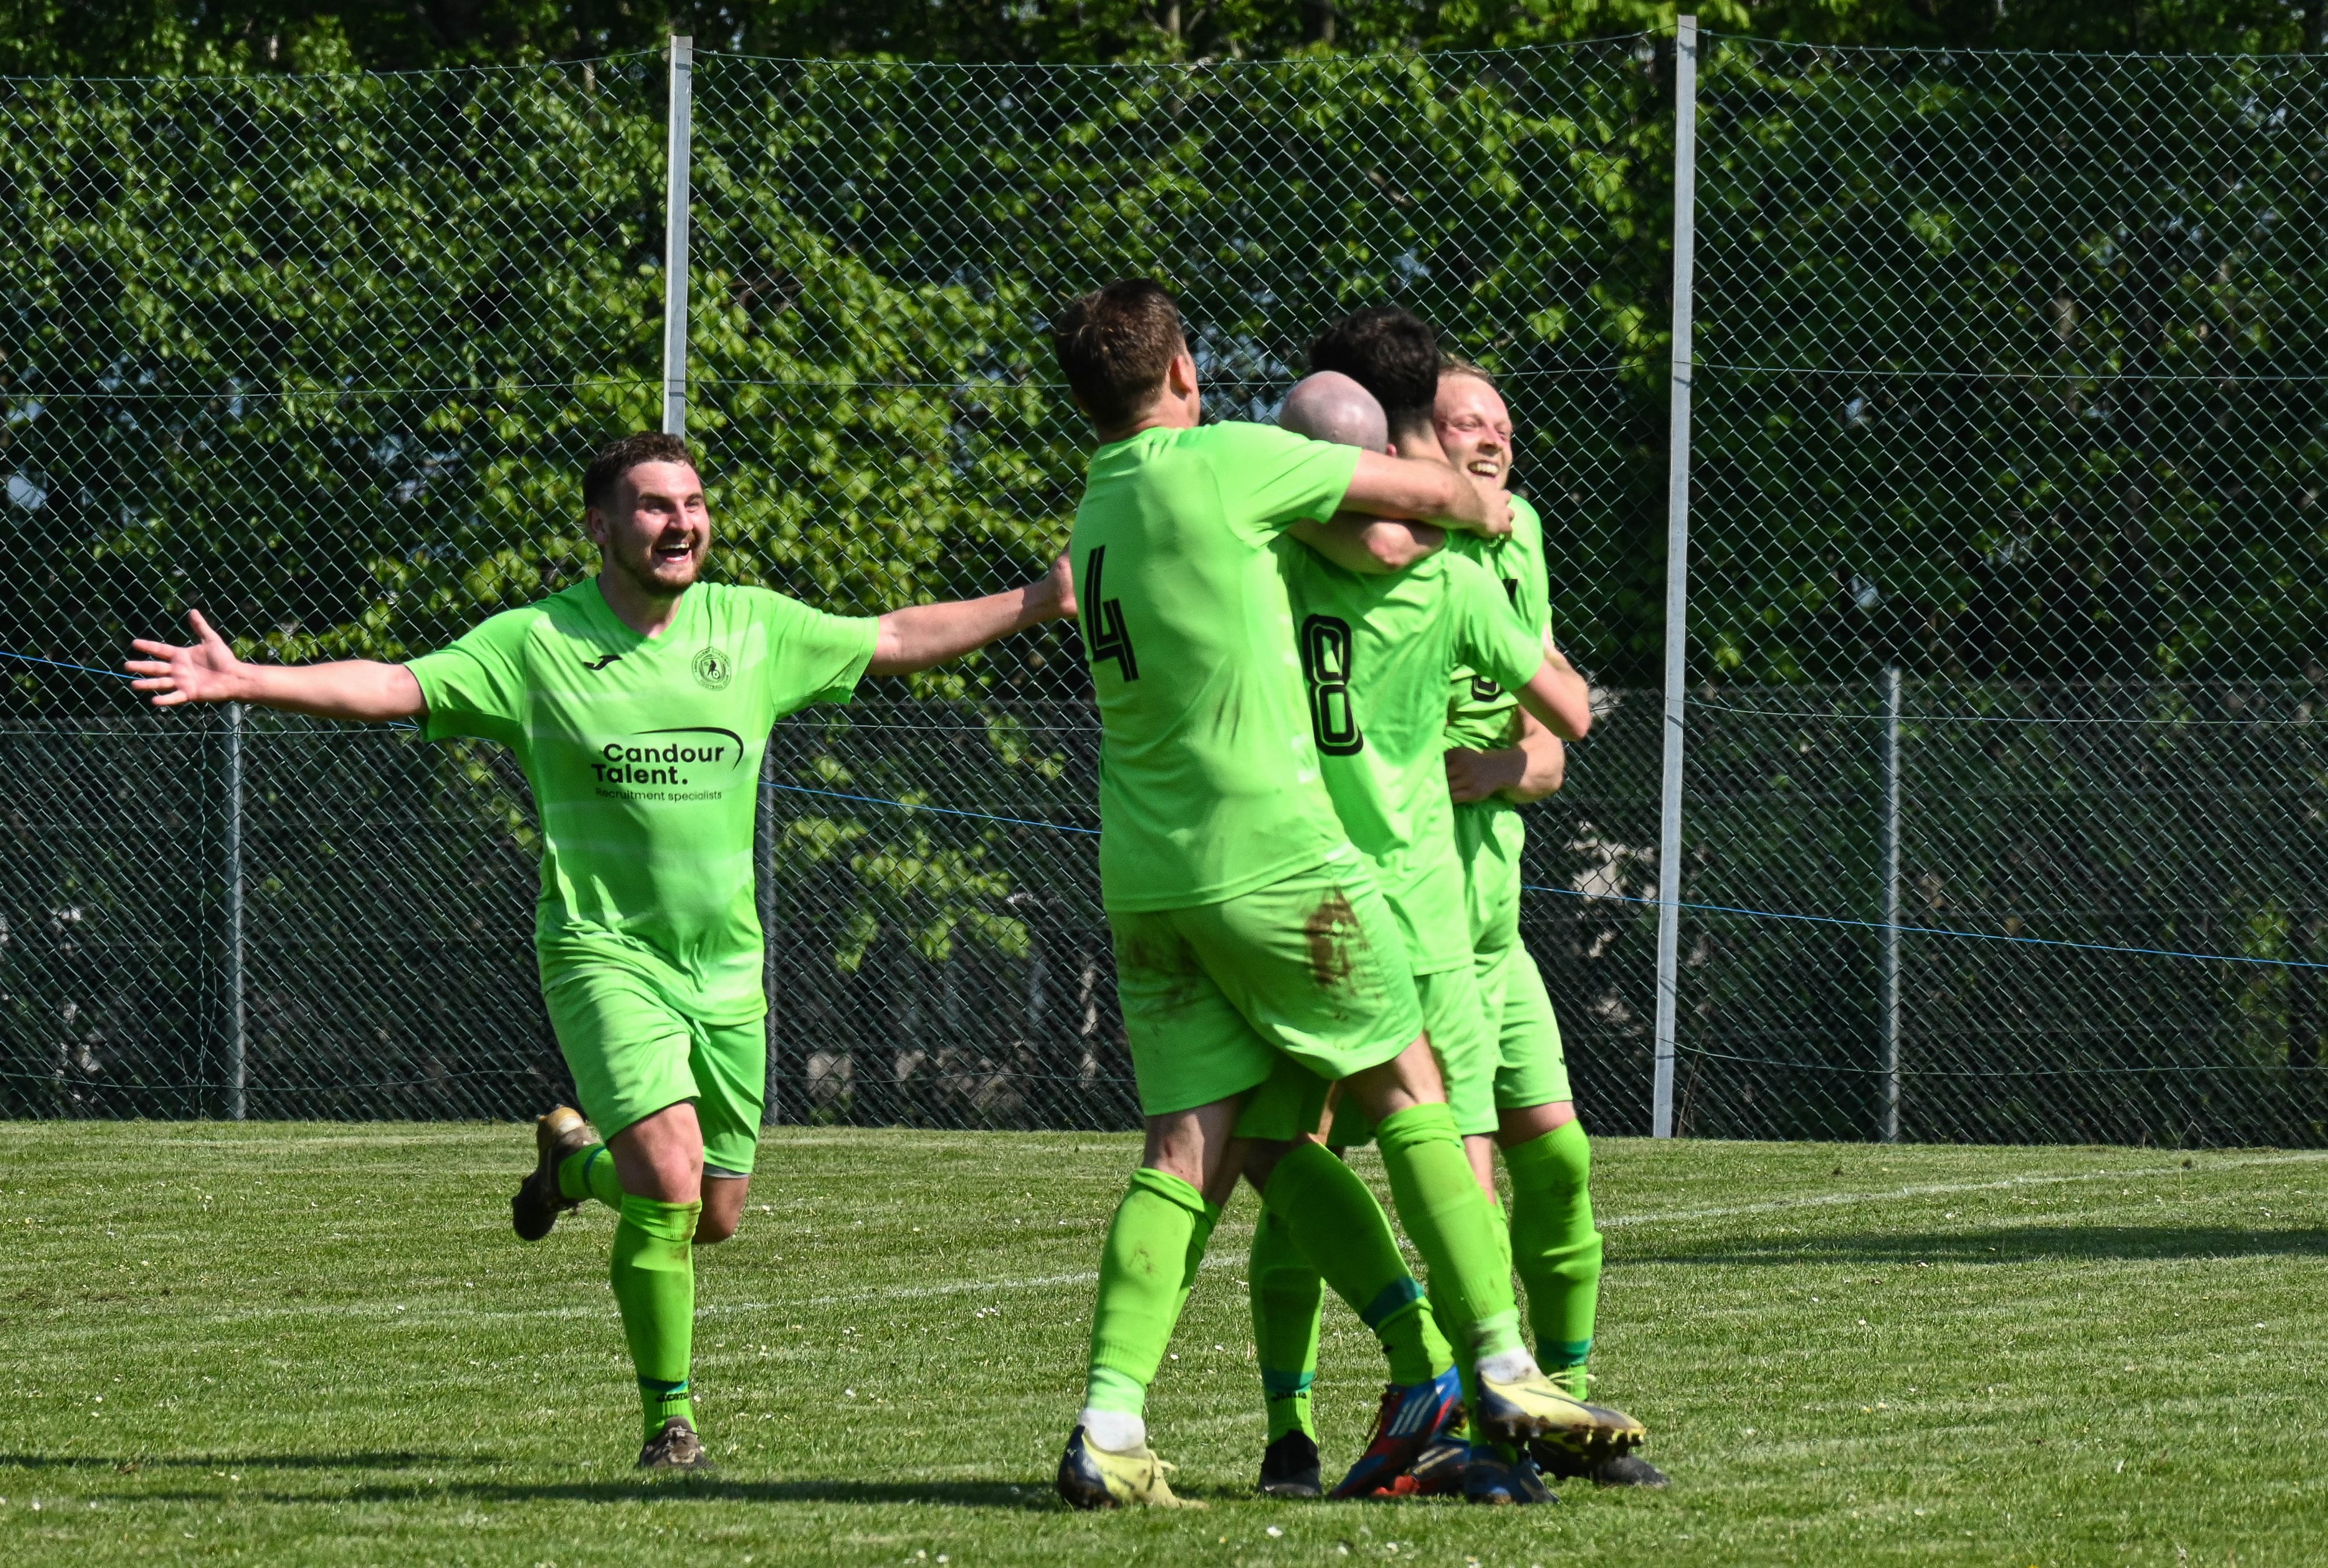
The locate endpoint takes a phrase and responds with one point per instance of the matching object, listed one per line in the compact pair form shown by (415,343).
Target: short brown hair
(1114,345)
(1457,365)
(624,453)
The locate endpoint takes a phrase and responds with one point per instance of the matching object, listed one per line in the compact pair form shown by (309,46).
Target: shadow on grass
(990,1494)
(1001,1495)
(129,1464)
(2007,1245)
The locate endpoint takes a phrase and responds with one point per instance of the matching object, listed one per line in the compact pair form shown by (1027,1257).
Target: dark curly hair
(624,453)
(1392,353)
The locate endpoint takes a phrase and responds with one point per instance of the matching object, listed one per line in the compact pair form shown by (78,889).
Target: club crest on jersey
(712,670)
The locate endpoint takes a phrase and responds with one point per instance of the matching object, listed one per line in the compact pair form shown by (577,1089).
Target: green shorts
(1531,1067)
(1308,971)
(1457,1023)
(633,1053)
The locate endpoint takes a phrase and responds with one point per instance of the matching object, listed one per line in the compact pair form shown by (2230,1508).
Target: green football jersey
(1480,712)
(644,758)
(1210,784)
(1374,651)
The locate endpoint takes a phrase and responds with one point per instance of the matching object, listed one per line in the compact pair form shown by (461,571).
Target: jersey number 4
(1325,665)
(1104,634)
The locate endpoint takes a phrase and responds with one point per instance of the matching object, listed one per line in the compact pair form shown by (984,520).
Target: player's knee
(714,1228)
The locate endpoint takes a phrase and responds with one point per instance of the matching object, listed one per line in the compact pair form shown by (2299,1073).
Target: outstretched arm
(208,671)
(1521,774)
(1418,491)
(1371,545)
(926,634)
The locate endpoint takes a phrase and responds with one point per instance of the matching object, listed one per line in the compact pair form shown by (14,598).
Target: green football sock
(1556,1247)
(654,1284)
(1440,1203)
(1287,1296)
(590,1173)
(1332,1217)
(1146,1268)
(1467,1367)
(1200,1236)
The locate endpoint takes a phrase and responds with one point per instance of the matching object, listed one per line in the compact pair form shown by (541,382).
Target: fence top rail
(1194,67)
(1959,52)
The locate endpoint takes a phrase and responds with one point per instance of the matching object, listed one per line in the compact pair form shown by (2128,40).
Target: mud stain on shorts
(1333,936)
(1165,963)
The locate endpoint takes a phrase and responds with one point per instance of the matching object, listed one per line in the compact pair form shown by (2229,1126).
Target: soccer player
(1248,932)
(639,704)
(1496,762)
(1376,651)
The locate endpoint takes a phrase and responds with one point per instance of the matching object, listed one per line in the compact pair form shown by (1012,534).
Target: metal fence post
(236,1069)
(676,204)
(1891,1132)
(1685,241)
(770,1108)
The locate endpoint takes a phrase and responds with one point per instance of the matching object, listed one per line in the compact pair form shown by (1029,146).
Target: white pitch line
(1844,1199)
(1668,1216)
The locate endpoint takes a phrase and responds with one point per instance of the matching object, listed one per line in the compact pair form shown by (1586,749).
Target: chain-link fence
(324,357)
(2010,379)
(2000,384)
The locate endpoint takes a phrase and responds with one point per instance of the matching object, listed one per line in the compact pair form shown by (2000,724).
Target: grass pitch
(311,1344)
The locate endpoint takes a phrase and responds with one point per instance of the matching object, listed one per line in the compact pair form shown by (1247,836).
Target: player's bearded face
(1475,429)
(659,530)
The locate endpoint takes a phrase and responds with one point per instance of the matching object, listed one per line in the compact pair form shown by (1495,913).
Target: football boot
(1091,1476)
(1288,1468)
(1536,1408)
(1503,1478)
(539,1200)
(1408,1418)
(1437,1470)
(676,1448)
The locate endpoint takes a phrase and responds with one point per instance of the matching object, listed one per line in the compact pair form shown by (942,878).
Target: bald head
(1332,406)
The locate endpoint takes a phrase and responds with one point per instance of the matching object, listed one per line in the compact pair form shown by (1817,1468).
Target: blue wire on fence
(1529,887)
(61,665)
(1940,930)
(1700,908)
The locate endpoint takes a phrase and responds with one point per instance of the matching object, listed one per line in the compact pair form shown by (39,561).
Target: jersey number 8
(1325,665)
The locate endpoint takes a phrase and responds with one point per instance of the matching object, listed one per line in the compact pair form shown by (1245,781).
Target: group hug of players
(1321,657)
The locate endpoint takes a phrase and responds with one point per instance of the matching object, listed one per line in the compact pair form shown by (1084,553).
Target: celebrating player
(1376,651)
(1248,931)
(1496,762)
(639,704)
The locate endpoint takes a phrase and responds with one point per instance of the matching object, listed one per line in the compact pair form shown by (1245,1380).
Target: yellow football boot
(1091,1476)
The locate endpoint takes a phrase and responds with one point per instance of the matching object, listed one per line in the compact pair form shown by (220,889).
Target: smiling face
(656,531)
(1475,429)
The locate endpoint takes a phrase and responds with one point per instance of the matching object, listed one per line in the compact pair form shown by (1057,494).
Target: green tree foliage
(143,37)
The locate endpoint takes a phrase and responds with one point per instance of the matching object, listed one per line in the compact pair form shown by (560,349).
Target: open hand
(207,671)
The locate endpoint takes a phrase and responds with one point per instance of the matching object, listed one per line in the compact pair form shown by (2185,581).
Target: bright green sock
(1332,1217)
(1287,1296)
(1556,1247)
(590,1173)
(1200,1236)
(1467,1367)
(1154,1246)
(1440,1203)
(654,1284)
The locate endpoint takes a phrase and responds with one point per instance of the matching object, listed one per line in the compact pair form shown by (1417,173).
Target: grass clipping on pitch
(320,1344)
